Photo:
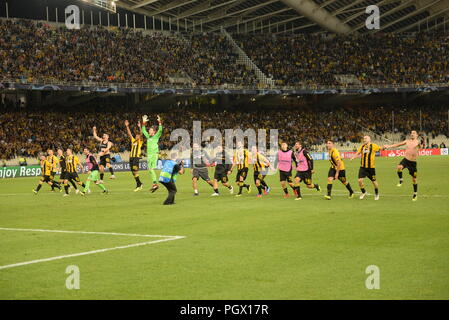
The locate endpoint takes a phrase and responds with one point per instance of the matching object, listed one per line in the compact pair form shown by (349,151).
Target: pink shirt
(285,160)
(301,160)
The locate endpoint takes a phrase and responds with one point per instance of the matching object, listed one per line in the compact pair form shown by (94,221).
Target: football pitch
(127,245)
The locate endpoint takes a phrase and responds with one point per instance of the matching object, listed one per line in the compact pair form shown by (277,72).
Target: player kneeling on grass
(167,178)
(135,155)
(336,171)
(71,175)
(94,169)
(46,167)
(223,165)
(304,169)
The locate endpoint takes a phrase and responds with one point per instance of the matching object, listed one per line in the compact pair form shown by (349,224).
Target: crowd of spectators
(26,133)
(310,59)
(31,50)
(36,51)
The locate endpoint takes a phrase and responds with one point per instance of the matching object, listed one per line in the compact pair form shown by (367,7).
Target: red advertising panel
(401,153)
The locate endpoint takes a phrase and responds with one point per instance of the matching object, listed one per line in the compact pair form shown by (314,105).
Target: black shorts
(411,166)
(241,173)
(63,175)
(46,179)
(341,174)
(369,173)
(305,176)
(105,159)
(134,163)
(259,176)
(72,176)
(52,175)
(285,176)
(202,173)
(221,176)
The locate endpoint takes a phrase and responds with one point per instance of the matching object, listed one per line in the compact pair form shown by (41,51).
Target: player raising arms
(72,164)
(337,170)
(260,165)
(223,165)
(367,168)
(152,148)
(241,161)
(200,162)
(94,169)
(54,167)
(304,169)
(104,148)
(46,167)
(411,155)
(135,155)
(284,164)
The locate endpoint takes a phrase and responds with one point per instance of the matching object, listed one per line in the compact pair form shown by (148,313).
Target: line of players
(242,159)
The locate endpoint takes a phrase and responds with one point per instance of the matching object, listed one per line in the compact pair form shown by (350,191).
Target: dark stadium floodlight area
(277,17)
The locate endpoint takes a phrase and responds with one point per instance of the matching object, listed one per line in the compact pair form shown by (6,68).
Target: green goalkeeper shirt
(152,141)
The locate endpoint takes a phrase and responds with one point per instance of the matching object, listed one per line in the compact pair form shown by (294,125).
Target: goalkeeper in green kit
(152,148)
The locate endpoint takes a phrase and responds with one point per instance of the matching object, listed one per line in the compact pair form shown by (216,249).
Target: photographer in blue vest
(170,170)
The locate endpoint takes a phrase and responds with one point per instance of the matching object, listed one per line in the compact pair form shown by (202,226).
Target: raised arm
(159,129)
(94,129)
(395,145)
(128,131)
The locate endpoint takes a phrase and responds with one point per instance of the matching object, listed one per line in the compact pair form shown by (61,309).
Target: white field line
(334,193)
(167,238)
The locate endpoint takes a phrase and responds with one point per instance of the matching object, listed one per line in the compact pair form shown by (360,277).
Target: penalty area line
(167,238)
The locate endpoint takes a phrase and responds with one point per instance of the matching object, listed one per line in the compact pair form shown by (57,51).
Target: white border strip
(168,238)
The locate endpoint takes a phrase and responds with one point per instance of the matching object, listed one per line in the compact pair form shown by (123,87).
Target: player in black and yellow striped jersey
(72,163)
(367,151)
(46,168)
(54,161)
(241,161)
(62,167)
(260,166)
(135,155)
(337,170)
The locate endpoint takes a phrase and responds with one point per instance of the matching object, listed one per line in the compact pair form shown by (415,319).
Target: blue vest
(167,171)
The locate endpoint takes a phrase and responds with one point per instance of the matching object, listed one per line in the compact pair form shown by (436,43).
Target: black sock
(285,190)
(39,186)
(52,187)
(363,190)
(73,184)
(138,181)
(329,189)
(348,186)
(56,185)
(298,192)
(83,185)
(264,184)
(415,187)
(66,188)
(259,189)
(400,175)
(240,189)
(316,186)
(111,171)
(101,176)
(246,186)
(216,191)
(376,191)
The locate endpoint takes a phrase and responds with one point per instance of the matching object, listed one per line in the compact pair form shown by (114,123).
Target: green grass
(235,248)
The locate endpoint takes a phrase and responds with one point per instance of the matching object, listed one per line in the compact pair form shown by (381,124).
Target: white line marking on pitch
(168,238)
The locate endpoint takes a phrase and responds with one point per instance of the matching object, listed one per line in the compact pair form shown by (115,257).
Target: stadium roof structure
(294,16)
